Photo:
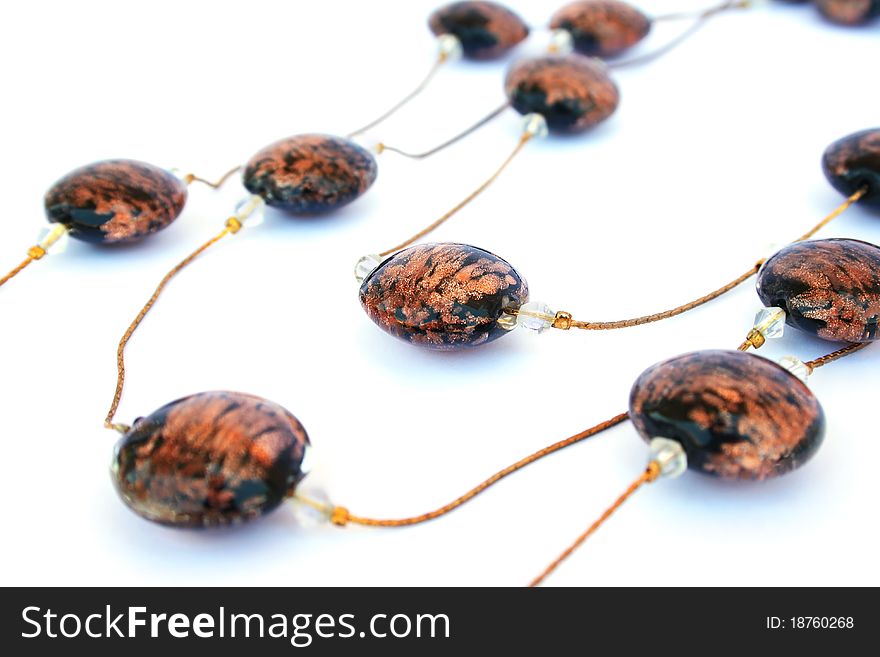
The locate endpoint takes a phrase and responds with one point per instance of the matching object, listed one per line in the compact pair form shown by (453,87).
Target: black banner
(282,621)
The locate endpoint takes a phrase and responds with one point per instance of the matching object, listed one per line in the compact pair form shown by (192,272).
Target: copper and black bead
(830,288)
(486,30)
(572,92)
(737,415)
(602,28)
(310,174)
(442,296)
(852,164)
(849,12)
(115,201)
(214,458)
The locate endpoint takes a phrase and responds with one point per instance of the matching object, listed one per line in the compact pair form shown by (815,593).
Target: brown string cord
(701,19)
(232,226)
(191,178)
(441,59)
(470,197)
(341,516)
(701,13)
(835,355)
(654,470)
(563,320)
(17,270)
(648,476)
(449,142)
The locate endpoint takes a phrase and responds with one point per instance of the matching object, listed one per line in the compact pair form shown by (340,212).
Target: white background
(712,158)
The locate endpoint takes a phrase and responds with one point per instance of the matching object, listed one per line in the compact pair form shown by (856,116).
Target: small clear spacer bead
(561,42)
(770,322)
(449,47)
(535,125)
(55,237)
(250,210)
(366,265)
(796,366)
(669,455)
(535,316)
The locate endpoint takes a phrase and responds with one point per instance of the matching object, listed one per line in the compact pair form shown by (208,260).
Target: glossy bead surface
(213,458)
(602,28)
(830,288)
(572,92)
(849,12)
(115,201)
(442,296)
(737,415)
(853,162)
(310,174)
(485,29)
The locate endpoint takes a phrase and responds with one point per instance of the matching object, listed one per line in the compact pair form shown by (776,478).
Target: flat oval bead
(310,174)
(830,288)
(442,296)
(737,415)
(849,12)
(485,29)
(115,201)
(853,163)
(210,459)
(572,92)
(602,28)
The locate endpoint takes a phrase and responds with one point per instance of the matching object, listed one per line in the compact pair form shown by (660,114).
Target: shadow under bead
(830,288)
(442,296)
(853,163)
(310,174)
(486,30)
(210,459)
(849,12)
(737,415)
(115,201)
(602,28)
(571,92)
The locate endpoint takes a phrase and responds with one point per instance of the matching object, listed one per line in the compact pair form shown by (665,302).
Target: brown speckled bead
(115,201)
(485,29)
(737,415)
(210,459)
(310,174)
(849,12)
(602,28)
(572,92)
(853,163)
(442,296)
(830,288)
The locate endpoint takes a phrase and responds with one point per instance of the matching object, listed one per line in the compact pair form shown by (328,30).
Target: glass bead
(670,456)
(442,295)
(737,415)
(54,237)
(507,320)
(770,322)
(535,125)
(853,163)
(310,174)
(561,42)
(449,47)
(115,201)
(535,316)
(366,266)
(250,211)
(486,30)
(829,288)
(796,366)
(214,458)
(602,28)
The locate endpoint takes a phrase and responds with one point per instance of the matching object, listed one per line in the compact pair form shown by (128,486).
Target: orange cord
(649,475)
(232,226)
(18,269)
(340,515)
(190,178)
(479,190)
